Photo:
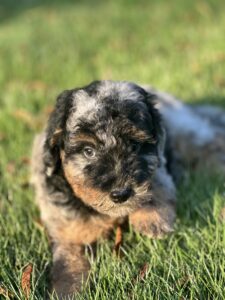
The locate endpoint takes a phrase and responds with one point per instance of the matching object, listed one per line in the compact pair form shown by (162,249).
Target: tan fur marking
(156,221)
(55,136)
(153,221)
(139,135)
(84,231)
(82,137)
(88,194)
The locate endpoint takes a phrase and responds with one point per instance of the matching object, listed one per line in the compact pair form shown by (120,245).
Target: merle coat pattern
(100,161)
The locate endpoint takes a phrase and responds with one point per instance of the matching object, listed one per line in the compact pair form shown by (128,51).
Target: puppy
(100,161)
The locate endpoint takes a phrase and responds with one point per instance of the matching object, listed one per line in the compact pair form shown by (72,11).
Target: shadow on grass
(200,198)
(216,100)
(12,8)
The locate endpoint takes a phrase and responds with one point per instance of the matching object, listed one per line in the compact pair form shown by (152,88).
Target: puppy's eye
(89,152)
(135,147)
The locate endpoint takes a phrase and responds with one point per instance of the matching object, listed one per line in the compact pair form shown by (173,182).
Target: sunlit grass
(48,46)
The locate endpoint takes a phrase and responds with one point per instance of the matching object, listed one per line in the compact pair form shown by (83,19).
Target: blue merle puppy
(102,161)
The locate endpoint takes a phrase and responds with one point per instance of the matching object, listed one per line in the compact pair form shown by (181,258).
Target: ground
(48,46)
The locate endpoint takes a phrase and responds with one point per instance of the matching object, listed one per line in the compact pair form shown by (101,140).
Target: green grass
(48,46)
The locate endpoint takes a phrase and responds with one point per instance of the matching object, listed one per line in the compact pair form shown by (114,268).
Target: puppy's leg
(70,269)
(70,266)
(69,227)
(156,218)
(153,220)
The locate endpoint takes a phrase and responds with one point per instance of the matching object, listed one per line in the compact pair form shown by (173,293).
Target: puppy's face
(109,146)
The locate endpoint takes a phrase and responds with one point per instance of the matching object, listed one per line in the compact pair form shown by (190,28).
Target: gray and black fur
(100,161)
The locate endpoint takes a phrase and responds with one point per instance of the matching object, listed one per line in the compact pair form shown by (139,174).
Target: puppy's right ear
(158,126)
(55,131)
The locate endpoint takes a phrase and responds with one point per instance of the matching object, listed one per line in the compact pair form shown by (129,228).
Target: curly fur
(121,123)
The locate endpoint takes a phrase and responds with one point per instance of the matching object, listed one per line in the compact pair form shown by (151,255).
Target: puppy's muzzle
(120,196)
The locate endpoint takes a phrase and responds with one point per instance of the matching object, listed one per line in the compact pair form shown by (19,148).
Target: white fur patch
(84,105)
(122,89)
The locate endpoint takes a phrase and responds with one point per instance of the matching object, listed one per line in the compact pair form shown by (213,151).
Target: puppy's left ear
(55,131)
(158,127)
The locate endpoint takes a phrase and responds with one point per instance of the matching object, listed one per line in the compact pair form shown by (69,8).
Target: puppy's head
(108,140)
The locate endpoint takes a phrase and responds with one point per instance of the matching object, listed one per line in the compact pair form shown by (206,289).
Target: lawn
(47,46)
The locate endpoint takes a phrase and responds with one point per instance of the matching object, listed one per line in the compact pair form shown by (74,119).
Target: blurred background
(47,46)
(50,45)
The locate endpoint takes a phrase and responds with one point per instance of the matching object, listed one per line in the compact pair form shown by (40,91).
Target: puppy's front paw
(153,222)
(70,270)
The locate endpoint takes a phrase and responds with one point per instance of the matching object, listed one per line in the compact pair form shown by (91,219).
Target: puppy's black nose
(119,196)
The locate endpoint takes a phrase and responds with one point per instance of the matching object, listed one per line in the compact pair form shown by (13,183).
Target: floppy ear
(159,130)
(55,131)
